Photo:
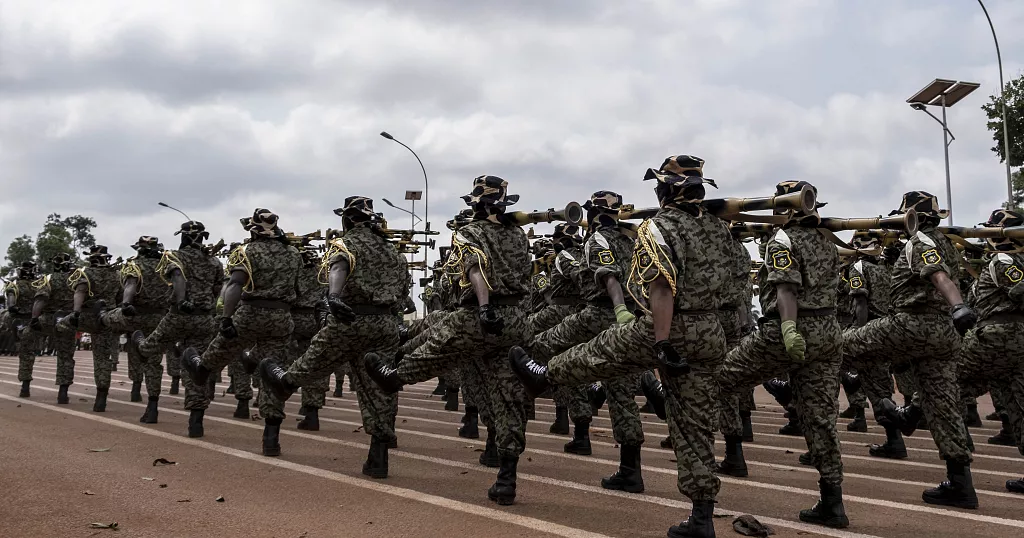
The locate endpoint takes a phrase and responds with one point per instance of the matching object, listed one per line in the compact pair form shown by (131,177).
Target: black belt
(804,313)
(145,310)
(497,300)
(370,310)
(679,312)
(1002,319)
(267,303)
(197,312)
(565,301)
(606,302)
(303,310)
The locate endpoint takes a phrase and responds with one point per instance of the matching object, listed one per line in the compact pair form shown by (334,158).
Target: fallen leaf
(19,405)
(82,400)
(99,449)
(87,492)
(219,499)
(790,452)
(529,459)
(185,501)
(148,478)
(162,461)
(404,421)
(357,430)
(470,446)
(464,472)
(111,526)
(163,485)
(121,382)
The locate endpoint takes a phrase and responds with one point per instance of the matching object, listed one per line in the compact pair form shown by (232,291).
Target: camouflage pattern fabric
(608,253)
(272,267)
(870,280)
(804,258)
(23,292)
(151,371)
(501,252)
(314,395)
(991,357)
(549,316)
(192,330)
(377,272)
(174,362)
(203,275)
(926,253)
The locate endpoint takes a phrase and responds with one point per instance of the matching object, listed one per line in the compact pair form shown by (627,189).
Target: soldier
(991,355)
(146,299)
(492,259)
(311,293)
(680,264)
(195,279)
(95,285)
(20,296)
(927,312)
(262,286)
(367,283)
(54,299)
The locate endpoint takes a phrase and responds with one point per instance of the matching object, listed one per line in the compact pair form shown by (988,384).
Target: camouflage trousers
(104,345)
(314,395)
(458,341)
(338,344)
(931,345)
(419,338)
(27,345)
(815,380)
(265,332)
(152,372)
(549,316)
(419,325)
(690,400)
(730,421)
(192,330)
(63,347)
(992,356)
(579,328)
(858,399)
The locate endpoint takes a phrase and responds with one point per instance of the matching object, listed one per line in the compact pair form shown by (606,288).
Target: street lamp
(426,185)
(416,218)
(943,93)
(1006,123)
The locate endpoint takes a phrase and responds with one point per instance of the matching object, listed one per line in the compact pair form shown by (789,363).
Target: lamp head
(386,135)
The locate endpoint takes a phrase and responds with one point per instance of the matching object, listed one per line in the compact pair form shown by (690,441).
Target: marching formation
(598,312)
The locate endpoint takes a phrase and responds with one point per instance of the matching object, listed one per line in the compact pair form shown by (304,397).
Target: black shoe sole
(578,451)
(379,475)
(308,427)
(272,452)
(834,523)
(627,489)
(969,505)
(861,427)
(469,435)
(731,471)
(888,455)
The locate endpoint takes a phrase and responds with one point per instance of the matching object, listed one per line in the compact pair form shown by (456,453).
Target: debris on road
(111,526)
(748,525)
(162,461)
(100,449)
(87,492)
(219,499)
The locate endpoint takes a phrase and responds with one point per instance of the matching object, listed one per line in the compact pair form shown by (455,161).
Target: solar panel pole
(945,149)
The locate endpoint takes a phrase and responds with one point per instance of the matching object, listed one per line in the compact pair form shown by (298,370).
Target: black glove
(14,310)
(490,321)
(322,311)
(403,334)
(891,253)
(964,318)
(186,307)
(73,319)
(35,325)
(341,311)
(128,309)
(669,359)
(227,328)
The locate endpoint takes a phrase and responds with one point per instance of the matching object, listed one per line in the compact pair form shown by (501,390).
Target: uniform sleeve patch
(1014,274)
(931,257)
(856,283)
(605,257)
(542,283)
(782,260)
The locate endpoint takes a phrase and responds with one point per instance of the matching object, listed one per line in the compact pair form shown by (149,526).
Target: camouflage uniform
(804,258)
(59,298)
(735,297)
(102,284)
(311,292)
(919,330)
(263,318)
(203,276)
(867,279)
(22,294)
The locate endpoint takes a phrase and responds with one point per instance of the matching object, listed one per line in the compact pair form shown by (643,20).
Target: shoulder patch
(1015,274)
(856,283)
(601,240)
(1004,258)
(931,257)
(657,234)
(782,260)
(605,257)
(859,266)
(782,238)
(542,282)
(921,236)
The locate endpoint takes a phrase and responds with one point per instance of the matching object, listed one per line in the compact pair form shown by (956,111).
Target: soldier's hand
(186,307)
(127,309)
(891,253)
(623,315)
(796,347)
(669,359)
(14,310)
(35,325)
(964,318)
(227,328)
(490,321)
(73,319)
(341,311)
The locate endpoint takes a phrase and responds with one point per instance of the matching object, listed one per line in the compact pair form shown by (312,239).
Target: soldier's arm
(614,288)
(662,304)
(37,306)
(787,301)
(337,276)
(860,309)
(179,285)
(81,293)
(476,278)
(947,288)
(233,291)
(131,288)
(10,300)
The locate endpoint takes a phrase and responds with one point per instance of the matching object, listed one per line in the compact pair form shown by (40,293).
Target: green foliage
(70,235)
(1017,180)
(53,240)
(20,250)
(1015,117)
(81,231)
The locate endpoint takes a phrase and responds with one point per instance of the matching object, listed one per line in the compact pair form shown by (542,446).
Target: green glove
(623,315)
(220,306)
(795,345)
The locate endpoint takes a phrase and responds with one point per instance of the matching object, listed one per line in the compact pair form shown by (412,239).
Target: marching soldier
(54,299)
(20,297)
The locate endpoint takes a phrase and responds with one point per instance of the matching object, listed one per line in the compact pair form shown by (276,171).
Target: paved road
(436,487)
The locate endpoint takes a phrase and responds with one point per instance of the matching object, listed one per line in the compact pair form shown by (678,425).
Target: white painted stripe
(419,457)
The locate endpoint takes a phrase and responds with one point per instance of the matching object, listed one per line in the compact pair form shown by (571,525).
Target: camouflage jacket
(102,284)
(55,289)
(204,275)
(805,258)
(272,267)
(735,292)
(502,252)
(22,292)
(608,253)
(536,301)
(151,291)
(377,274)
(311,290)
(1000,286)
(926,253)
(562,285)
(868,279)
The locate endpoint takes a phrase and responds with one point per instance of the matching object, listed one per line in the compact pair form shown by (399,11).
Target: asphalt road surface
(63,468)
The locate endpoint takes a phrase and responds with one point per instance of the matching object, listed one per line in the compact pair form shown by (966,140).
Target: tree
(53,240)
(20,250)
(1017,180)
(81,231)
(1015,117)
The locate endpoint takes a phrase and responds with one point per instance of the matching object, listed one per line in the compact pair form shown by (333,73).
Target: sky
(108,107)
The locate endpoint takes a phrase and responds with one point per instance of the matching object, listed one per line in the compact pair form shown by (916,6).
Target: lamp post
(412,196)
(426,184)
(1002,97)
(943,93)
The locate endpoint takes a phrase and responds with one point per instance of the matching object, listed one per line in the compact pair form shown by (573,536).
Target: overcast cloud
(107,107)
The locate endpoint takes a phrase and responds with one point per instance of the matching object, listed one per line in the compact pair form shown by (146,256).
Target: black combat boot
(561,424)
(1005,435)
(376,465)
(894,447)
(440,389)
(470,428)
(628,477)
(241,409)
(339,391)
(489,457)
(151,414)
(175,382)
(136,395)
(382,373)
(275,379)
(849,412)
(231,385)
(654,392)
(192,362)
(972,419)
(1015,486)
(700,524)
(248,362)
(957,491)
(24,390)
(597,395)
(302,410)
(211,388)
(906,418)
(806,459)
(100,405)
(310,422)
(793,426)
(748,427)
(667,442)
(533,375)
(62,395)
(580,443)
(994,415)
(530,407)
(271,437)
(860,422)
(195,423)
(503,491)
(451,399)
(829,510)
(781,390)
(734,464)
(851,383)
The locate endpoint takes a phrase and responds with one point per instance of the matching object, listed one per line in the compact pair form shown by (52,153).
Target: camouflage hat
(924,203)
(490,191)
(794,186)
(607,200)
(98,255)
(541,246)
(463,217)
(865,240)
(677,177)
(61,259)
(564,229)
(27,269)
(263,222)
(147,242)
(356,205)
(1004,218)
(193,228)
